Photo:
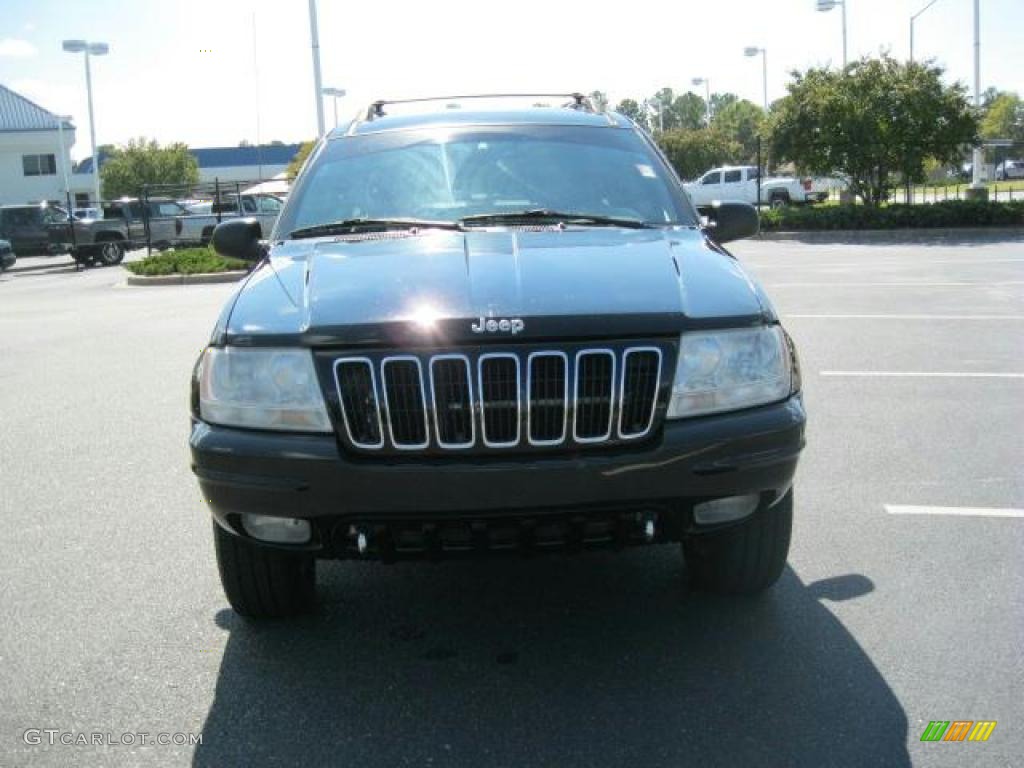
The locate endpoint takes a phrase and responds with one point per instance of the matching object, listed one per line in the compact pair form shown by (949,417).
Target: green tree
(742,121)
(1004,118)
(144,162)
(632,109)
(876,118)
(720,101)
(692,152)
(300,158)
(689,110)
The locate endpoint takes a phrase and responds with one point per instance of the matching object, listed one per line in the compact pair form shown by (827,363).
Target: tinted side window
(715,177)
(731,177)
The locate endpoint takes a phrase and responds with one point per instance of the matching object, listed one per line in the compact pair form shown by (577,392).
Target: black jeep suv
(492,331)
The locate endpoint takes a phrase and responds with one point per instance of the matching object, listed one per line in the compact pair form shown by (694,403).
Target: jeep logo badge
(511,325)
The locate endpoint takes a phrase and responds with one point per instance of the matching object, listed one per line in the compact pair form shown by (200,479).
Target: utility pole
(314,35)
(912,18)
(978,191)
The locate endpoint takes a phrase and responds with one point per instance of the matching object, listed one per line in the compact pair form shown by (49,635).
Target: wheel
(264,583)
(111,252)
(746,558)
(206,237)
(778,201)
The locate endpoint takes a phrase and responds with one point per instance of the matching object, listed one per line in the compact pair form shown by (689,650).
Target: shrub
(950,213)
(188,261)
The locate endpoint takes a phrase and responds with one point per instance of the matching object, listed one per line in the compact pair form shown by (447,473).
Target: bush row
(950,213)
(188,261)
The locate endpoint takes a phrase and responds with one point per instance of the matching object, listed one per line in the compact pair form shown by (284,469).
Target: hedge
(188,261)
(949,213)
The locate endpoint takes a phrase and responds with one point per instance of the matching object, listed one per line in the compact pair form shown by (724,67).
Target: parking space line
(904,317)
(900,509)
(929,374)
(901,284)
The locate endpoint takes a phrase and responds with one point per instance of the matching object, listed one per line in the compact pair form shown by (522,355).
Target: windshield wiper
(545,214)
(352,226)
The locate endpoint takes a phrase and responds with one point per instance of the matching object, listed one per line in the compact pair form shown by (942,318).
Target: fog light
(280,530)
(725,510)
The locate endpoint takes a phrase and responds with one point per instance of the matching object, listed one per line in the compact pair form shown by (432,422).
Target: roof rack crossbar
(578,101)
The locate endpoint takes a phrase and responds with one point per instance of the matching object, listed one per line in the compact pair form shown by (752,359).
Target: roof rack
(578,101)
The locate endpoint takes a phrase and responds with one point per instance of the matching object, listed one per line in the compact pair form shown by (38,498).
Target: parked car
(7,257)
(739,183)
(34,230)
(198,224)
(123,226)
(481,332)
(1010,169)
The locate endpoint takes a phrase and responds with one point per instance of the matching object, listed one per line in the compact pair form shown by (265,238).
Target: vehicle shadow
(590,661)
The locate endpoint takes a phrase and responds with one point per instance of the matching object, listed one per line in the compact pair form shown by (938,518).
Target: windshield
(448,174)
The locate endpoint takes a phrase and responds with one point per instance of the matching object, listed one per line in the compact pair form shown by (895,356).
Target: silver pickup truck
(201,218)
(124,226)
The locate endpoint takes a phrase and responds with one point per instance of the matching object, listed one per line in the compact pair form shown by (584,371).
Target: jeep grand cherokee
(485,331)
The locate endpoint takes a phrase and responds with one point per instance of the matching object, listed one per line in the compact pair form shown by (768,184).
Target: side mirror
(730,220)
(239,239)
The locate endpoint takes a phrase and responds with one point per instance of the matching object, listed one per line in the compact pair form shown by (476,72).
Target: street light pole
(707,94)
(314,35)
(61,119)
(912,18)
(828,5)
(90,50)
(976,155)
(335,94)
(753,51)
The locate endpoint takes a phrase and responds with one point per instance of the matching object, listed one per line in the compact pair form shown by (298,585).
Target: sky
(217,72)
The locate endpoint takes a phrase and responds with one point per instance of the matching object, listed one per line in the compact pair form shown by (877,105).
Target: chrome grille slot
(357,393)
(638,391)
(454,423)
(517,397)
(595,377)
(548,384)
(405,402)
(499,399)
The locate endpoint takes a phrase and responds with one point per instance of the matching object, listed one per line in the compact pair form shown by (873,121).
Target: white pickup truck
(203,216)
(739,182)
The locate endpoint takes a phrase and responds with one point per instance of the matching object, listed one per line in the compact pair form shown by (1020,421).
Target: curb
(898,235)
(203,278)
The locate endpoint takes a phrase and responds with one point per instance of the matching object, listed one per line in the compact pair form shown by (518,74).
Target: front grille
(522,398)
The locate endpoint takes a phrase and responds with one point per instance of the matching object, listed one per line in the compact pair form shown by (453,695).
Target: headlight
(727,370)
(261,389)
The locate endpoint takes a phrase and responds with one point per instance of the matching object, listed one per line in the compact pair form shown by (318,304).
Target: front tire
(746,558)
(111,252)
(264,583)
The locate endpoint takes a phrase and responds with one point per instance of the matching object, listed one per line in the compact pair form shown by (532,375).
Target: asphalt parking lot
(114,620)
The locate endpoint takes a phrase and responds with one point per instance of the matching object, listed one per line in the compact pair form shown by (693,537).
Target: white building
(32,160)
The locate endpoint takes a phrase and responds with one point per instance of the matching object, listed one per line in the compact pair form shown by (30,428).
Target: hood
(442,286)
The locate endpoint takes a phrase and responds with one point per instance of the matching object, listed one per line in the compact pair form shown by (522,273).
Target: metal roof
(226,157)
(442,117)
(20,114)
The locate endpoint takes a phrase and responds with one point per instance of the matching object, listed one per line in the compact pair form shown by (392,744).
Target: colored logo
(958,730)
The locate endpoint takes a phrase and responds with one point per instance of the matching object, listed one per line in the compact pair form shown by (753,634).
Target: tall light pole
(314,35)
(707,93)
(335,93)
(979,190)
(828,5)
(61,119)
(912,26)
(753,51)
(90,49)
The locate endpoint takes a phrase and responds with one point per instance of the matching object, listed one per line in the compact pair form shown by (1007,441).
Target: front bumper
(307,476)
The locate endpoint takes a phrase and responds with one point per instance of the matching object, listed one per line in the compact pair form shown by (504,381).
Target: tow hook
(362,543)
